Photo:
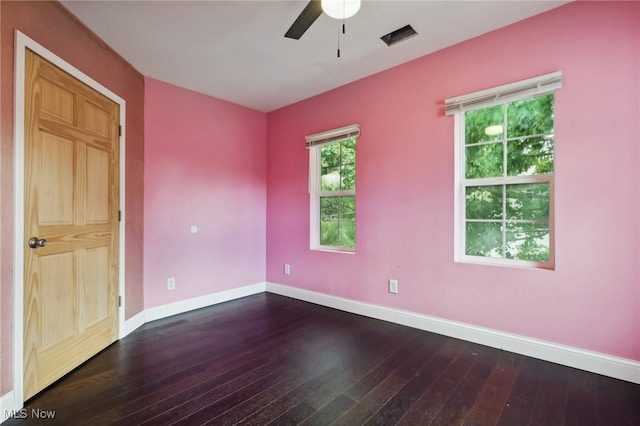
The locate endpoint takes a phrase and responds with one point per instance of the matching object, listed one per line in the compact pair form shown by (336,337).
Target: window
(332,189)
(504,178)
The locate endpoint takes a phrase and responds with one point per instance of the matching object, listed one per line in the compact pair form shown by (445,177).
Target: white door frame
(22,43)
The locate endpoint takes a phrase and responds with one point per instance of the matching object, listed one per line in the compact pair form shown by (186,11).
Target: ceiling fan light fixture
(340,9)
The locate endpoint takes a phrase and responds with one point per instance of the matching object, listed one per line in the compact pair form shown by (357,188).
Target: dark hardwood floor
(268,359)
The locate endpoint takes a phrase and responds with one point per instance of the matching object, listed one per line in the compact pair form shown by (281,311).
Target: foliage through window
(507,163)
(332,188)
(337,194)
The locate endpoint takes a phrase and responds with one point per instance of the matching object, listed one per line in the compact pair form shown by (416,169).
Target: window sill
(334,250)
(509,263)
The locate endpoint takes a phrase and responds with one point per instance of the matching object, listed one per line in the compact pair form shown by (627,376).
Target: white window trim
(511,92)
(525,89)
(314,143)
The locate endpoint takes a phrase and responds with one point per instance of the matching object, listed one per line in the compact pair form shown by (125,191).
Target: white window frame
(457,106)
(314,145)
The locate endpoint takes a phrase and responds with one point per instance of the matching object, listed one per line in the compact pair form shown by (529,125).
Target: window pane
(348,151)
(348,208)
(338,234)
(484,239)
(330,155)
(484,161)
(530,156)
(348,162)
(329,208)
(528,201)
(338,221)
(347,234)
(330,179)
(484,124)
(528,241)
(329,233)
(348,175)
(484,202)
(338,166)
(531,116)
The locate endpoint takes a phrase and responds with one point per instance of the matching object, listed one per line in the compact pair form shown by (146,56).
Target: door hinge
(119,130)
(119,215)
(119,301)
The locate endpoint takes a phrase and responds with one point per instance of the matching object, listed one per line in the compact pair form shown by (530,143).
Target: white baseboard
(170,309)
(131,324)
(187,305)
(7,406)
(608,365)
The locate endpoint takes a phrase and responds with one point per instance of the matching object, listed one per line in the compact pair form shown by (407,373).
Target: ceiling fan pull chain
(343,8)
(339,42)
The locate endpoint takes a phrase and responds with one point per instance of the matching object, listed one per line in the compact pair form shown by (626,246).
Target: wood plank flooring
(271,360)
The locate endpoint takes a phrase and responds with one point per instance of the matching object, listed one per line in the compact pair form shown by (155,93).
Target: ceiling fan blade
(307,17)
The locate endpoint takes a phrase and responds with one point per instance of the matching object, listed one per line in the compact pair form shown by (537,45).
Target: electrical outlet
(393,286)
(171,283)
(287,269)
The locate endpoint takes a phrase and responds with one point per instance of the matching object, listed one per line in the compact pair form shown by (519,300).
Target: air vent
(399,35)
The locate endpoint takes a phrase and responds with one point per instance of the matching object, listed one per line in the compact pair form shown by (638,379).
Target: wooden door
(71,215)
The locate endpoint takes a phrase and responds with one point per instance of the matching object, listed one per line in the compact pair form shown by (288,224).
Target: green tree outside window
(508,169)
(337,194)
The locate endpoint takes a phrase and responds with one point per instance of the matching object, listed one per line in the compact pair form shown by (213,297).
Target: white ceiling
(236,50)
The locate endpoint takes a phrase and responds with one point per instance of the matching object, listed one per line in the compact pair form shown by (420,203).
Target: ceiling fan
(308,16)
(338,9)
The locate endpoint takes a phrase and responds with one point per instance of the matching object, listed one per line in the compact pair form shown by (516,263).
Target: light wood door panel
(71,201)
(55,191)
(98,182)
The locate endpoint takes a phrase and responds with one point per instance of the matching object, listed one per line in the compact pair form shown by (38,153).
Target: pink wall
(205,166)
(405,184)
(52,26)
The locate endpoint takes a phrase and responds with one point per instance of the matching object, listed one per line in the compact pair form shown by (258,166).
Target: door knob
(35,242)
